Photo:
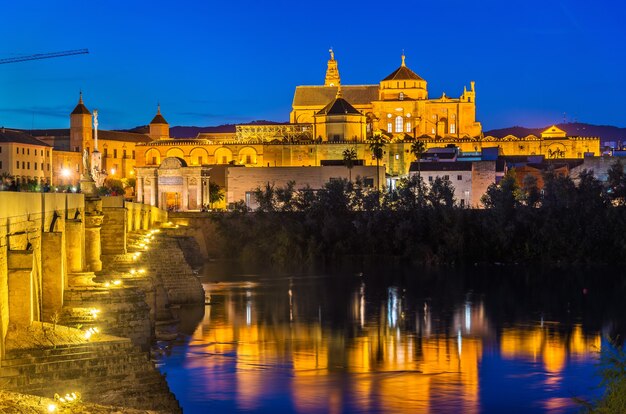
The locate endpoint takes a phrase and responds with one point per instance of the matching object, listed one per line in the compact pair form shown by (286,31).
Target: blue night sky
(215,62)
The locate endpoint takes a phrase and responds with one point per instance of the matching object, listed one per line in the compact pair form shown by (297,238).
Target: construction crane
(44,56)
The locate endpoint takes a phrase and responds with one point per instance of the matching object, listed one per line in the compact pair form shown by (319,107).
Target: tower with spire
(332,71)
(159,128)
(81,129)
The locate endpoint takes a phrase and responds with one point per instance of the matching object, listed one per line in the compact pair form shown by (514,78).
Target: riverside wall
(69,262)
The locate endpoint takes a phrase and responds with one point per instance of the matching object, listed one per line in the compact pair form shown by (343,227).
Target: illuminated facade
(398,106)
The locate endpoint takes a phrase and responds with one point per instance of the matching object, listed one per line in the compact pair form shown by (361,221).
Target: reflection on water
(367,344)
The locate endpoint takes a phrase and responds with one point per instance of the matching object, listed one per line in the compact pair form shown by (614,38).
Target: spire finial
(403,64)
(80,97)
(332,54)
(158,108)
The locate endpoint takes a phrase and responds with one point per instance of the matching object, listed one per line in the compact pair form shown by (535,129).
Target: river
(393,339)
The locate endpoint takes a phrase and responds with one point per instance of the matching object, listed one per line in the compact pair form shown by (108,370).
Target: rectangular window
(27,151)
(23,165)
(433,131)
(0,150)
(18,151)
(459,177)
(22,151)
(452,129)
(408,127)
(48,166)
(35,152)
(28,165)
(0,165)
(48,153)
(17,165)
(430,178)
(124,154)
(106,152)
(389,126)
(446,177)
(133,154)
(115,153)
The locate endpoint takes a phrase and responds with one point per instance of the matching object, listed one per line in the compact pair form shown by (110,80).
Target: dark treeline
(563,223)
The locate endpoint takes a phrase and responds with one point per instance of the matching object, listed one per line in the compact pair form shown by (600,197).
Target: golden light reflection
(548,344)
(391,368)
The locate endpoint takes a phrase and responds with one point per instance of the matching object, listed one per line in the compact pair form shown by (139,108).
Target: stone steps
(104,372)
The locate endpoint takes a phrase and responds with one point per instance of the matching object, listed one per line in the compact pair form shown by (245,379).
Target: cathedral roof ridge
(339,106)
(403,73)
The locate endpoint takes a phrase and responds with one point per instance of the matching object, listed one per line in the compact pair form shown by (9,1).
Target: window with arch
(399,123)
(408,127)
(401,96)
(389,127)
(452,128)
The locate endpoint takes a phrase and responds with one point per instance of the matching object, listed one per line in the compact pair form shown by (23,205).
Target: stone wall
(30,224)
(143,217)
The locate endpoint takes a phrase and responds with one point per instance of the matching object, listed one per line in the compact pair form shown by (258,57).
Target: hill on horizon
(608,134)
(181,131)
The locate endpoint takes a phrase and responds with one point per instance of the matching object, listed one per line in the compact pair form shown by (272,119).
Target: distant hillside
(193,131)
(606,133)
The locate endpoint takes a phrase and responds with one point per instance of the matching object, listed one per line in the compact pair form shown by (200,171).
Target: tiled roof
(442,166)
(10,135)
(81,109)
(403,73)
(321,95)
(339,106)
(158,119)
(122,136)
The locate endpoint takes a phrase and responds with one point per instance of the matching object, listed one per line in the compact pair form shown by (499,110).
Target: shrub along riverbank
(566,222)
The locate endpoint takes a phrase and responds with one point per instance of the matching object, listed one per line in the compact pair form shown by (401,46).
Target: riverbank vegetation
(565,222)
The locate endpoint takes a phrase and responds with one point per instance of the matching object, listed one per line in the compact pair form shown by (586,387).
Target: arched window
(401,96)
(452,128)
(408,127)
(399,124)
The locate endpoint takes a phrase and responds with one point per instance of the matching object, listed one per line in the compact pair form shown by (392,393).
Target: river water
(392,339)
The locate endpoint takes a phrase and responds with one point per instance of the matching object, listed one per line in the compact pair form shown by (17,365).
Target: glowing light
(133,271)
(94,312)
(112,171)
(52,408)
(117,282)
(66,172)
(107,284)
(142,270)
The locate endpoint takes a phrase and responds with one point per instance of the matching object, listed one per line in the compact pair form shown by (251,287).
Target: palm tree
(417,149)
(349,156)
(376,146)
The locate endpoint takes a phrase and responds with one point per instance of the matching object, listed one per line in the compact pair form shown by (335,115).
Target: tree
(504,197)
(216,194)
(616,183)
(441,193)
(349,156)
(417,148)
(530,192)
(376,147)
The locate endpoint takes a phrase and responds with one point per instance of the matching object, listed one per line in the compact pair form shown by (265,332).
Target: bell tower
(332,72)
(80,126)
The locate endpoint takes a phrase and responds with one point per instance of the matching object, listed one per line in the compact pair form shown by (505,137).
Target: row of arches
(200,156)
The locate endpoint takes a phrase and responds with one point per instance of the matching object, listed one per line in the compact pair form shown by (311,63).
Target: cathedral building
(398,106)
